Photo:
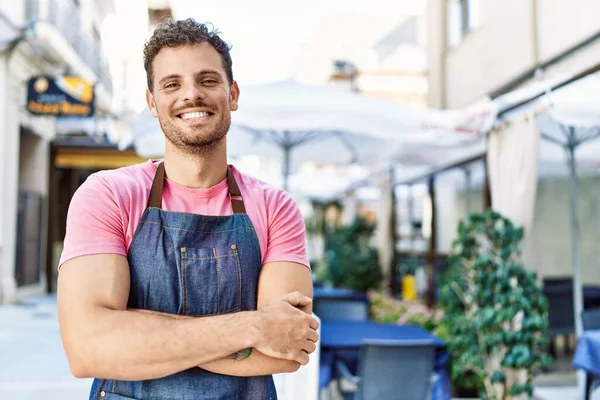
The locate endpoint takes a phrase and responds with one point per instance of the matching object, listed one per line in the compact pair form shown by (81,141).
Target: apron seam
(193,230)
(255,240)
(208,258)
(239,278)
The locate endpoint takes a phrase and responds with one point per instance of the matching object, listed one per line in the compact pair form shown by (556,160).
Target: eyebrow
(200,73)
(209,72)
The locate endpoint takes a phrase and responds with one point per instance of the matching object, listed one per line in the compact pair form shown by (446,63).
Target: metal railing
(65,16)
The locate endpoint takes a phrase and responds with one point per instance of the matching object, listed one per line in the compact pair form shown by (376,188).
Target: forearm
(257,364)
(137,345)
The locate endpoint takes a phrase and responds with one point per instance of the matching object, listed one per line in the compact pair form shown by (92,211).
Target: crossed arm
(276,279)
(103,339)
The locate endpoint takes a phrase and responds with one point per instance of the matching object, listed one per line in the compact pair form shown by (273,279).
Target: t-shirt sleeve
(286,232)
(94,222)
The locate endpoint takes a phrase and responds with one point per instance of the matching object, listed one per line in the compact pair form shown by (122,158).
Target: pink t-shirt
(105,211)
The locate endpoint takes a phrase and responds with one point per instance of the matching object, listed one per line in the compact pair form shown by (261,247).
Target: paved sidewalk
(33,364)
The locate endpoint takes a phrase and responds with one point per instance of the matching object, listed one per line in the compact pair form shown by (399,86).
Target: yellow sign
(60,96)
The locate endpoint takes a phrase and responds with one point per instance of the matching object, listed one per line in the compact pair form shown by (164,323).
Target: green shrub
(352,262)
(495,311)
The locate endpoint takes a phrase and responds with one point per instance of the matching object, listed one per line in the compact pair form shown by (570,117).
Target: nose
(193,92)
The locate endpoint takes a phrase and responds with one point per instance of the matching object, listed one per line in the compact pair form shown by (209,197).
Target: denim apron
(194,265)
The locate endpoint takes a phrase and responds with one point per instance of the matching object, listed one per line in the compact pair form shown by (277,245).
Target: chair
(561,317)
(591,321)
(558,282)
(332,309)
(388,368)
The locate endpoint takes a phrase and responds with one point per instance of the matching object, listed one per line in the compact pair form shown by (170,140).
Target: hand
(285,331)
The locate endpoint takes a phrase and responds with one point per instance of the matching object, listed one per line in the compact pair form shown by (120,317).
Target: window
(463,17)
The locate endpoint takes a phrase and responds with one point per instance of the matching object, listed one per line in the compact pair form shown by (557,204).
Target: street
(34,365)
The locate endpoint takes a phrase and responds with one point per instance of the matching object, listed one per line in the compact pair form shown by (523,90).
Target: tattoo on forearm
(241,355)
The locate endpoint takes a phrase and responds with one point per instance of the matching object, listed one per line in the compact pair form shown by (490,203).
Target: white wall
(436,46)
(513,37)
(547,248)
(562,24)
(493,54)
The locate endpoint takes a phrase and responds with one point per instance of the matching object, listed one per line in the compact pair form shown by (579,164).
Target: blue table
(344,339)
(339,294)
(587,355)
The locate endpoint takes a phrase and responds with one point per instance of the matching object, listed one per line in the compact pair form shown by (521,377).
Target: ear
(234,95)
(151,103)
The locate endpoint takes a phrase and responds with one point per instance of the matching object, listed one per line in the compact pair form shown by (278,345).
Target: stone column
(9,172)
(383,233)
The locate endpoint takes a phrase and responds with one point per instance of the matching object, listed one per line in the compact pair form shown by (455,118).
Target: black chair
(591,321)
(331,309)
(560,281)
(391,369)
(561,317)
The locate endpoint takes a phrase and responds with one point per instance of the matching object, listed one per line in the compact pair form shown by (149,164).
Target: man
(184,278)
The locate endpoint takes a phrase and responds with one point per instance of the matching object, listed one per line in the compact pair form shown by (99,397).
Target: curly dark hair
(171,33)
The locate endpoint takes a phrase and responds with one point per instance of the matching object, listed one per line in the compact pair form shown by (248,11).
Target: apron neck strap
(235,195)
(155,198)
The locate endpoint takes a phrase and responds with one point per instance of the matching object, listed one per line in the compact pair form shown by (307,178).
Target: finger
(302,358)
(297,299)
(314,323)
(309,347)
(313,336)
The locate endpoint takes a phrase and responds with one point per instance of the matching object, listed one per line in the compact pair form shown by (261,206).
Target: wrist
(251,328)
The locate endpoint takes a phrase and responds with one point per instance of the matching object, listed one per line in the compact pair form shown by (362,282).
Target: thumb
(297,299)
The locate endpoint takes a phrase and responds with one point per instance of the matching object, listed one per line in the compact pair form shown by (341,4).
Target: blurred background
(389,122)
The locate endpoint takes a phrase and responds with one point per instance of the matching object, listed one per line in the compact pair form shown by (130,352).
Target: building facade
(485,48)
(45,37)
(479,48)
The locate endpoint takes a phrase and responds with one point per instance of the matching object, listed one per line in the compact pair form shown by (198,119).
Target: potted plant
(494,311)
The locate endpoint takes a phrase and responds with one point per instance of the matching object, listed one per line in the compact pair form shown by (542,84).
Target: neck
(196,171)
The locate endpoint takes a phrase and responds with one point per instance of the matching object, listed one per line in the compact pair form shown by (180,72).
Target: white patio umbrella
(302,123)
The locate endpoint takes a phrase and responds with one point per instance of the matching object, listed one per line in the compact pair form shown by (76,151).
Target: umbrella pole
(468,185)
(286,166)
(575,255)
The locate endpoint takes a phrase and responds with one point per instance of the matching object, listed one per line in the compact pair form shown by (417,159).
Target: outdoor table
(587,354)
(342,340)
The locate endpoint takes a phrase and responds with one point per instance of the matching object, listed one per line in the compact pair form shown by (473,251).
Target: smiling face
(192,97)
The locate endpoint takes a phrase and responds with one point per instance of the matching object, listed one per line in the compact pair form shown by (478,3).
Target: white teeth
(191,115)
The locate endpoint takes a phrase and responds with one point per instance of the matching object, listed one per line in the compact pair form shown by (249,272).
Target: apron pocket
(211,280)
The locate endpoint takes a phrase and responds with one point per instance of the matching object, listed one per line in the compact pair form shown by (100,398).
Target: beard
(195,140)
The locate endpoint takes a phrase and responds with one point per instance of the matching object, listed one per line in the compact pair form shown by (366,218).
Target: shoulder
(126,179)
(119,189)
